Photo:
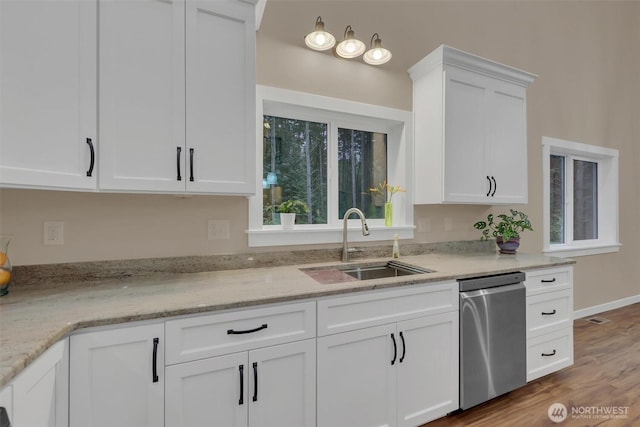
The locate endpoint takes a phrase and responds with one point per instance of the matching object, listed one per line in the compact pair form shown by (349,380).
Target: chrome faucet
(365,230)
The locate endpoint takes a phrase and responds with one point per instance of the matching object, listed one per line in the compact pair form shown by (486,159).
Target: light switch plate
(218,229)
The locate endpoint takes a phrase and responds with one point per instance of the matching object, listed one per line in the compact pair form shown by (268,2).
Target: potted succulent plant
(288,210)
(506,229)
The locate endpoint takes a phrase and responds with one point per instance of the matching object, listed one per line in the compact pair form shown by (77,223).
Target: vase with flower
(387,190)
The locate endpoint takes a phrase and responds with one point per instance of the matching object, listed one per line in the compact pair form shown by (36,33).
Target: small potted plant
(288,210)
(506,230)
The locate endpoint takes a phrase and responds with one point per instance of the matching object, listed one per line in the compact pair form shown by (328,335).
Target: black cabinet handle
(548,281)
(155,359)
(179,150)
(489,192)
(395,350)
(241,369)
(191,150)
(93,157)
(4,417)
(246,331)
(404,348)
(549,354)
(549,314)
(495,186)
(255,381)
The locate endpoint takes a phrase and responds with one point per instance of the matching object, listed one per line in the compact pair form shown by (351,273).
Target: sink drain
(598,320)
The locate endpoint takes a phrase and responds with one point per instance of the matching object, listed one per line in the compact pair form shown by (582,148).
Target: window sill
(307,235)
(575,251)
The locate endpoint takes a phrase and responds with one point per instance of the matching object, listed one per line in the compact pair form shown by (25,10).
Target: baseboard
(589,311)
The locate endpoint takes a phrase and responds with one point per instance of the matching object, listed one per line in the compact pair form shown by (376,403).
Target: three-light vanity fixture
(350,46)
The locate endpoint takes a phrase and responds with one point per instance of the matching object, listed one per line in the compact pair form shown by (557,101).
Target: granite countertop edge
(33,319)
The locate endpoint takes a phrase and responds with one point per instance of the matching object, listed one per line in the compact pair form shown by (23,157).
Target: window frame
(397,124)
(607,191)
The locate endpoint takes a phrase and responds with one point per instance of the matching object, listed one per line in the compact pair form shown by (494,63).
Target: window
(581,198)
(328,153)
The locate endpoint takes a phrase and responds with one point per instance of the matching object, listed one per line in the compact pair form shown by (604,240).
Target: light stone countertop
(33,318)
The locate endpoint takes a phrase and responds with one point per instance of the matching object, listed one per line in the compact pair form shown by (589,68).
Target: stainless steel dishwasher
(493,352)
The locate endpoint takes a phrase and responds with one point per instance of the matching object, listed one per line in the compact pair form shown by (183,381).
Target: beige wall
(585,53)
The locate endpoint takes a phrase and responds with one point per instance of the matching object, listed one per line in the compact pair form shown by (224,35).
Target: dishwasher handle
(491,291)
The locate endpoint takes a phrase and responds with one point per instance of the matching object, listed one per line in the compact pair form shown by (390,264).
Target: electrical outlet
(218,229)
(54,233)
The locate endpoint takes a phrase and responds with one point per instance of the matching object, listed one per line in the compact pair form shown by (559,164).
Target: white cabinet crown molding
(451,56)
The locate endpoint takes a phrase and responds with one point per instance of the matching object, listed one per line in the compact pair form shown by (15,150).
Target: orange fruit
(5,276)
(3,258)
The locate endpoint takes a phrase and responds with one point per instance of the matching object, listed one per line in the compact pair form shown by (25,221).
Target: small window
(329,153)
(581,198)
(362,164)
(294,167)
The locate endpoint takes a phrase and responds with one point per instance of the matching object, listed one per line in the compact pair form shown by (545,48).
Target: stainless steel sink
(365,271)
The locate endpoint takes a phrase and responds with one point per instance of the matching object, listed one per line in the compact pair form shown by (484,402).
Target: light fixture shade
(350,47)
(320,39)
(377,55)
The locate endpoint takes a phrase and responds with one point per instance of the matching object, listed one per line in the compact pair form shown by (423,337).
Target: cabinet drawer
(549,311)
(548,279)
(199,337)
(549,353)
(377,308)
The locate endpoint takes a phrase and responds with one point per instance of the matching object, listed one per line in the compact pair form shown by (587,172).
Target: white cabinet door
(177,96)
(427,368)
(506,143)
(285,392)
(142,134)
(205,392)
(48,93)
(220,107)
(356,380)
(6,401)
(465,175)
(117,377)
(272,386)
(40,392)
(470,129)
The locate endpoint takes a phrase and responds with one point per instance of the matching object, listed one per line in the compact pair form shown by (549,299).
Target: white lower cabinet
(549,321)
(39,393)
(402,373)
(117,377)
(253,367)
(272,386)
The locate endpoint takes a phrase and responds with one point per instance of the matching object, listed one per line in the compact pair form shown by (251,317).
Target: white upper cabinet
(470,129)
(177,96)
(48,94)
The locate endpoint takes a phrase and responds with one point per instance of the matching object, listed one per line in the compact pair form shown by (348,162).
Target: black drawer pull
(395,350)
(191,150)
(404,348)
(247,331)
(155,359)
(495,186)
(93,157)
(179,150)
(489,192)
(255,381)
(241,369)
(549,354)
(548,281)
(544,313)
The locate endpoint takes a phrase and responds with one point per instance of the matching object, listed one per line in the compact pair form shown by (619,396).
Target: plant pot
(508,247)
(287,220)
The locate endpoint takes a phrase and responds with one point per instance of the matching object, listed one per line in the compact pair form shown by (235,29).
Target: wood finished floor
(606,373)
